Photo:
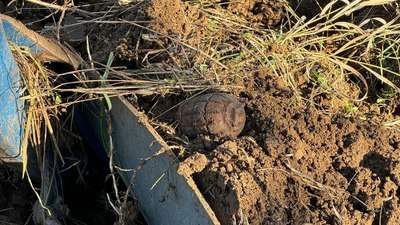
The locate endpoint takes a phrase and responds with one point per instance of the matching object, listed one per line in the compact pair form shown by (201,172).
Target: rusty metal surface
(216,114)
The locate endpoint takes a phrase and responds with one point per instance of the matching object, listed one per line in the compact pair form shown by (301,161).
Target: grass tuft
(38,97)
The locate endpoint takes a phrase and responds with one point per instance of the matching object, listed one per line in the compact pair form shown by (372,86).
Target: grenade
(217,114)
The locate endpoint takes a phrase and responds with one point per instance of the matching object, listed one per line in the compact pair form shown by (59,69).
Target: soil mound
(294,165)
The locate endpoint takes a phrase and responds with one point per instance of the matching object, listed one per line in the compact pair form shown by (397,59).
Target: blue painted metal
(11,107)
(15,35)
(165,197)
(12,115)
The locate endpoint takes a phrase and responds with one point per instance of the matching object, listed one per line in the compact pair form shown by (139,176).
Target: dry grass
(329,53)
(41,120)
(325,48)
(40,116)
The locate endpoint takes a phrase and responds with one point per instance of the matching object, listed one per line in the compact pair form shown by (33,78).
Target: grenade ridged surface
(216,114)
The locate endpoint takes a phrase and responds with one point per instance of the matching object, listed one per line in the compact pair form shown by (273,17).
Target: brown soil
(174,22)
(294,165)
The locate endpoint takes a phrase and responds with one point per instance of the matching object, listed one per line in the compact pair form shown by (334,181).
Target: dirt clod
(268,13)
(169,17)
(194,164)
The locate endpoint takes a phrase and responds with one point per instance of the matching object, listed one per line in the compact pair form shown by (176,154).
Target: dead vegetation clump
(42,104)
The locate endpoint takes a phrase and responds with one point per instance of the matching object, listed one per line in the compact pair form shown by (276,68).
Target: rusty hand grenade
(218,114)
